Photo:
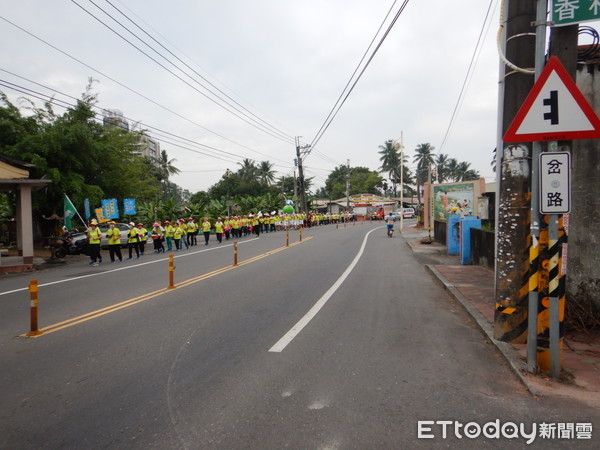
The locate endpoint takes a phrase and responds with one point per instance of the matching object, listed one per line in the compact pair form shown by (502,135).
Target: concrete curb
(515,363)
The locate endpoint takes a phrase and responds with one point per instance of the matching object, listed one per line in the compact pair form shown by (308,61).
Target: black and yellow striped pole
(552,297)
(532,314)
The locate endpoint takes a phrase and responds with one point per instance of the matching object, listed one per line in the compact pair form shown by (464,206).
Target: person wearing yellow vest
(169,231)
(143,237)
(158,236)
(133,240)
(206,230)
(114,242)
(94,235)
(192,232)
(178,233)
(227,227)
(219,229)
(255,223)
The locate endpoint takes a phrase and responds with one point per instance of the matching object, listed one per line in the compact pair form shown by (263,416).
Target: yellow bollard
(235,254)
(287,238)
(300,234)
(33,309)
(171,273)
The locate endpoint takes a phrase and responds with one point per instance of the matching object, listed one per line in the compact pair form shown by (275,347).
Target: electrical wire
(290,138)
(130,89)
(467,76)
(239,115)
(340,103)
(166,137)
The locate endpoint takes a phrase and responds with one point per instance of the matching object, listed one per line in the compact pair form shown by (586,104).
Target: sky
(278,64)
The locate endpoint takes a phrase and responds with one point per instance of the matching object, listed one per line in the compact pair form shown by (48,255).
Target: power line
(467,77)
(339,103)
(236,112)
(165,135)
(130,89)
(196,72)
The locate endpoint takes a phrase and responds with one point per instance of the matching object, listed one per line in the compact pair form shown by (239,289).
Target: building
(114,118)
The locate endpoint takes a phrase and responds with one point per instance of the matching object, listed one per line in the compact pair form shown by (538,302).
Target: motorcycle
(64,245)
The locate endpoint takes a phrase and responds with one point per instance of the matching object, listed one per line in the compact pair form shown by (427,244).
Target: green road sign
(567,12)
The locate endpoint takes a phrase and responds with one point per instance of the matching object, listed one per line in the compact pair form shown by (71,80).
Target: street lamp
(400,145)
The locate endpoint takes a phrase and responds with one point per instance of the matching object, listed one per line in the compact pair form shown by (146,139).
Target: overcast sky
(286,62)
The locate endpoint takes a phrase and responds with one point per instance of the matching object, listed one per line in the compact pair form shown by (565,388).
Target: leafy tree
(390,161)
(424,159)
(441,162)
(452,169)
(81,157)
(362,181)
(265,173)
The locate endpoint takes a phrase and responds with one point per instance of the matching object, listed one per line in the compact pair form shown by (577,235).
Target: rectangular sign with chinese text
(568,12)
(555,182)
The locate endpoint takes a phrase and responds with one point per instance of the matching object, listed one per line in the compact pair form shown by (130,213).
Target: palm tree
(248,171)
(390,161)
(462,170)
(266,173)
(165,167)
(442,173)
(452,169)
(424,159)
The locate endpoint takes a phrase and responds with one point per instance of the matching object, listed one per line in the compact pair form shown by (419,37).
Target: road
(339,341)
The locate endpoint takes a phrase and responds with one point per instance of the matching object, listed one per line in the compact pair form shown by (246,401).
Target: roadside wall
(583,276)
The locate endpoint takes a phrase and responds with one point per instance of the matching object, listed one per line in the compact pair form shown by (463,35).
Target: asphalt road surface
(341,341)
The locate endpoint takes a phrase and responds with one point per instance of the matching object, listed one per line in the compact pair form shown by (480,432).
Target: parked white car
(407,213)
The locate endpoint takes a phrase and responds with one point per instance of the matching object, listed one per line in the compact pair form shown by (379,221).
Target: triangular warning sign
(554,110)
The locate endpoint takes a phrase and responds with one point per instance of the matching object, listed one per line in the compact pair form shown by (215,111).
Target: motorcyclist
(389,220)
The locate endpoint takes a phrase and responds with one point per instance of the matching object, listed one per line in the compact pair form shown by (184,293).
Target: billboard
(456,198)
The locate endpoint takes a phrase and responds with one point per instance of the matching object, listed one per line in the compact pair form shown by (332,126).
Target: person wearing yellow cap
(94,235)
(114,242)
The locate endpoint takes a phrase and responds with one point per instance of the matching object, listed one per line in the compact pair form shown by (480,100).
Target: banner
(129,207)
(110,208)
(87,209)
(100,215)
(69,212)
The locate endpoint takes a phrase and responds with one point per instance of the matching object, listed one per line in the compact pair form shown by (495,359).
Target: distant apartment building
(147,147)
(114,118)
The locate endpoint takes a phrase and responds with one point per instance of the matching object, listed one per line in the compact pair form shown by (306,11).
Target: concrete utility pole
(514,190)
(300,153)
(348,186)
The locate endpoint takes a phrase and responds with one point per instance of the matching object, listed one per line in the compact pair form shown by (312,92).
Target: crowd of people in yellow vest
(183,233)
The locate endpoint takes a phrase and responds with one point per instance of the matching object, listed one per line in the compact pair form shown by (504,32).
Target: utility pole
(348,186)
(514,189)
(295,191)
(401,180)
(300,153)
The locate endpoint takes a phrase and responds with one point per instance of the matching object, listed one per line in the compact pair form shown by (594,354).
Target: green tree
(362,181)
(424,159)
(265,173)
(81,157)
(390,161)
(441,162)
(452,169)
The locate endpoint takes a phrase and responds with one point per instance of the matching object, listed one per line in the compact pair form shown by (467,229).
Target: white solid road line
(118,269)
(296,329)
